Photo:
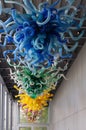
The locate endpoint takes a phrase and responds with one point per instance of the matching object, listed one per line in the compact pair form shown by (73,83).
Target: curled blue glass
(40,34)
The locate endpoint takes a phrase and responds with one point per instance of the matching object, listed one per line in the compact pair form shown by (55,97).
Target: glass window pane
(40,128)
(26,128)
(42,119)
(23,118)
(44,116)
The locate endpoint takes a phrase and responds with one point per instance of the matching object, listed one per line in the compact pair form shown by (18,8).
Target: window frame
(4,106)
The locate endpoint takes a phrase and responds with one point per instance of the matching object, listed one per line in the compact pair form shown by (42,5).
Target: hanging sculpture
(32,116)
(36,83)
(39,34)
(40,39)
(36,104)
(29,105)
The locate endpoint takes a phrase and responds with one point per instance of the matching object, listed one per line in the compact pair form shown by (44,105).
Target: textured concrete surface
(68,108)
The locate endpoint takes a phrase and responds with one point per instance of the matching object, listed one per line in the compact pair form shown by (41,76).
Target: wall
(68,108)
(5,107)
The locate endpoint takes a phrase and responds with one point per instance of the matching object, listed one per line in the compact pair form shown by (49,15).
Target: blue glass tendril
(39,34)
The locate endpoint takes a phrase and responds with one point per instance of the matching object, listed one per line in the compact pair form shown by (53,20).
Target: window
(22,116)
(41,124)
(40,128)
(25,128)
(43,118)
(5,109)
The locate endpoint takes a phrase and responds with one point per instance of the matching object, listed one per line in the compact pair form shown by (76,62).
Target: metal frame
(6,111)
(1,106)
(4,107)
(9,113)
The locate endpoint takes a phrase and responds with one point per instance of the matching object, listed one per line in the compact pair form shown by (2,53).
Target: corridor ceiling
(4,67)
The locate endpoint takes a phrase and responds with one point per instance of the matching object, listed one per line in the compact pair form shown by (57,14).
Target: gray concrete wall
(68,108)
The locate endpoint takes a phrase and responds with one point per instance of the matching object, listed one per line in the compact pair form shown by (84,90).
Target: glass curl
(39,34)
(36,83)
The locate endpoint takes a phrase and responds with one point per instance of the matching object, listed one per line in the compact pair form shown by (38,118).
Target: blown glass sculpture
(32,116)
(36,104)
(36,84)
(39,35)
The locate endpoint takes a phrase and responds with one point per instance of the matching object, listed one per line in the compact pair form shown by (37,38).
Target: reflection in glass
(23,118)
(43,118)
(40,128)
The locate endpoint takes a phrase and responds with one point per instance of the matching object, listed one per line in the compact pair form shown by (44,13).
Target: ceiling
(4,67)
